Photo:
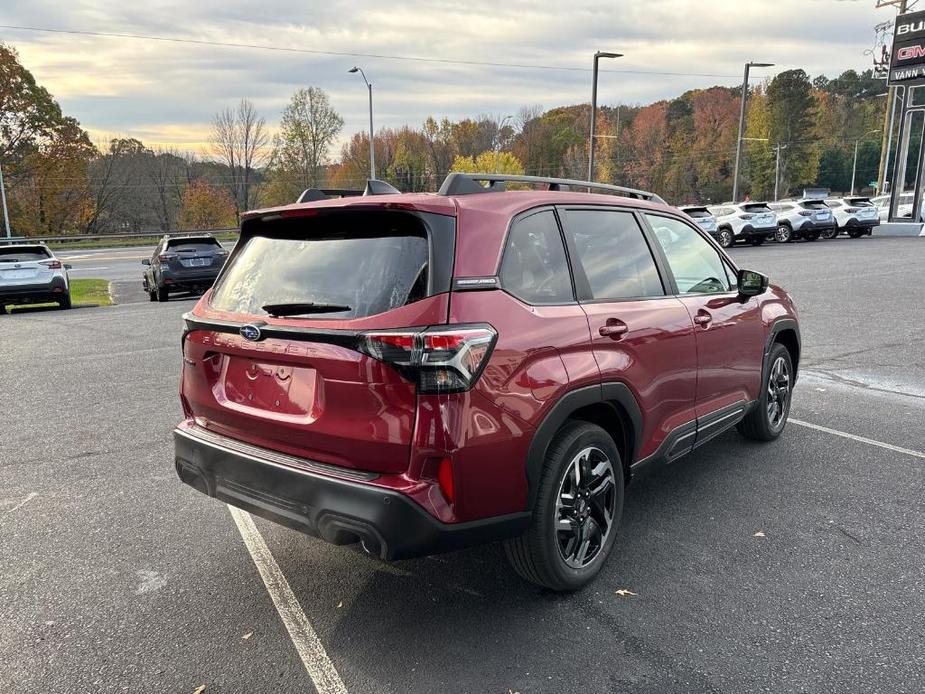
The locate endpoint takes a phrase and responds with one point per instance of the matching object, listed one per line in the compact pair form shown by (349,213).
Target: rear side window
(18,254)
(864,202)
(364,264)
(534,268)
(193,246)
(613,254)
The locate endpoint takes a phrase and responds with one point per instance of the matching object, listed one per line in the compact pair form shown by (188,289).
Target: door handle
(614,329)
(703,318)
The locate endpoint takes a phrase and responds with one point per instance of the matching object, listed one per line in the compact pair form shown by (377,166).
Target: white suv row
(753,222)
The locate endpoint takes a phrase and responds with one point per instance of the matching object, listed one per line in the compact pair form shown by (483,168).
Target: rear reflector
(445,480)
(446,359)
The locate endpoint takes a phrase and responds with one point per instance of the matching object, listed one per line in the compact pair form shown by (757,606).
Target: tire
(855,233)
(725,238)
(758,240)
(830,233)
(152,295)
(768,418)
(812,236)
(784,233)
(554,552)
(162,294)
(2,309)
(65,302)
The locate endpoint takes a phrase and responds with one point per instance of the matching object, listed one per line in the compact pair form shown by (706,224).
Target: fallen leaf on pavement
(340,604)
(247,635)
(760,533)
(200,689)
(623,592)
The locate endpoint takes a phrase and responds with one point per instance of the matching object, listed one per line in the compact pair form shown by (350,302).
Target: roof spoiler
(471,183)
(373,187)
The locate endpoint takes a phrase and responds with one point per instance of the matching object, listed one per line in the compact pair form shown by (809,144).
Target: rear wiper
(297,309)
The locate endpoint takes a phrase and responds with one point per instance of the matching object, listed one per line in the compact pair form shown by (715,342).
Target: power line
(350,54)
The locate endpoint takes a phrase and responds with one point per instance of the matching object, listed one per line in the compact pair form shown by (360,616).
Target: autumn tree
(239,139)
(489,162)
(308,128)
(203,206)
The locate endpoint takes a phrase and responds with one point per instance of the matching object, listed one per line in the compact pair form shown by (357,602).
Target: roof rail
(315,194)
(470,183)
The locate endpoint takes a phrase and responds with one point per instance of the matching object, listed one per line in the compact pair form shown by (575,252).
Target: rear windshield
(19,254)
(698,212)
(814,205)
(861,202)
(333,262)
(192,246)
(757,208)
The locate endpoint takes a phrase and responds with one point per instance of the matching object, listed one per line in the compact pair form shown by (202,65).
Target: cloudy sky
(165,93)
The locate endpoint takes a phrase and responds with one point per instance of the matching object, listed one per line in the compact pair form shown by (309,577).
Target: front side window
(614,254)
(695,264)
(534,268)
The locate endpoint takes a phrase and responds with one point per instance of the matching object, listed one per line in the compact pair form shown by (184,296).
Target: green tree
(792,107)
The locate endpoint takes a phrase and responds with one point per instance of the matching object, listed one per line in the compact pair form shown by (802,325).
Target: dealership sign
(907,60)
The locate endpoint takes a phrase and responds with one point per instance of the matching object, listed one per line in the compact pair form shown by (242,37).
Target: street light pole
(735,173)
(597,56)
(6,214)
(372,145)
(854,166)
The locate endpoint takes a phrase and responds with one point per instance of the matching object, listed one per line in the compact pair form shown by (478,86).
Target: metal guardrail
(104,237)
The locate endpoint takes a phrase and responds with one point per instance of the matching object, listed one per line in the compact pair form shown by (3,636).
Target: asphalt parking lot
(794,566)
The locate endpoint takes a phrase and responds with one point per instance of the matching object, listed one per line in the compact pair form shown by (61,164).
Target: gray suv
(802,219)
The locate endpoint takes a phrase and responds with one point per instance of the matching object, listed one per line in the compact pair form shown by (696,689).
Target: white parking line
(862,439)
(306,641)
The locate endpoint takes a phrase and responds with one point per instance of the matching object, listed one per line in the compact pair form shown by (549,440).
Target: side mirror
(68,266)
(751,283)
(145,261)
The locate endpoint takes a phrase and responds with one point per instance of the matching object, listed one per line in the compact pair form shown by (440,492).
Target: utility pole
(6,213)
(777,149)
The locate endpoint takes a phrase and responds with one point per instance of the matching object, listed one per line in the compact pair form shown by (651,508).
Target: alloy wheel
(783,233)
(725,239)
(778,393)
(585,507)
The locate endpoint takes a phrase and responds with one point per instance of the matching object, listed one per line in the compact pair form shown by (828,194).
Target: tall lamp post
(735,173)
(6,214)
(854,166)
(597,56)
(372,146)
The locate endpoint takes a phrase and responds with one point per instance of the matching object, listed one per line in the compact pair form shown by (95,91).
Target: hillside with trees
(59,182)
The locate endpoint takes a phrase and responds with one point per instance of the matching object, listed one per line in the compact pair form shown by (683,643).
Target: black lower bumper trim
(45,292)
(387,523)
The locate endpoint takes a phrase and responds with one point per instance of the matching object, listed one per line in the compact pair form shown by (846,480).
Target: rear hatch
(818,211)
(863,208)
(201,255)
(26,265)
(279,353)
(761,215)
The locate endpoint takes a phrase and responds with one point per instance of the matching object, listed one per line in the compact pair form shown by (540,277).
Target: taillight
(806,213)
(52,264)
(852,210)
(746,216)
(440,360)
(165,257)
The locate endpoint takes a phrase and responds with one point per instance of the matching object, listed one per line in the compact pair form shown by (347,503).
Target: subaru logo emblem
(250,332)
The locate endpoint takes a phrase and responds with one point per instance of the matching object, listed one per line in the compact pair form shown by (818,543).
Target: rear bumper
(191,281)
(340,511)
(750,232)
(815,226)
(34,293)
(868,224)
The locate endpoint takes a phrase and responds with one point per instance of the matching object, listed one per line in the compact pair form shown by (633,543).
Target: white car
(744,221)
(855,215)
(802,219)
(702,217)
(31,274)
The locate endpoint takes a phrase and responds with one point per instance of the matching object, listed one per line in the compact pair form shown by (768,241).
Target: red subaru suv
(422,372)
